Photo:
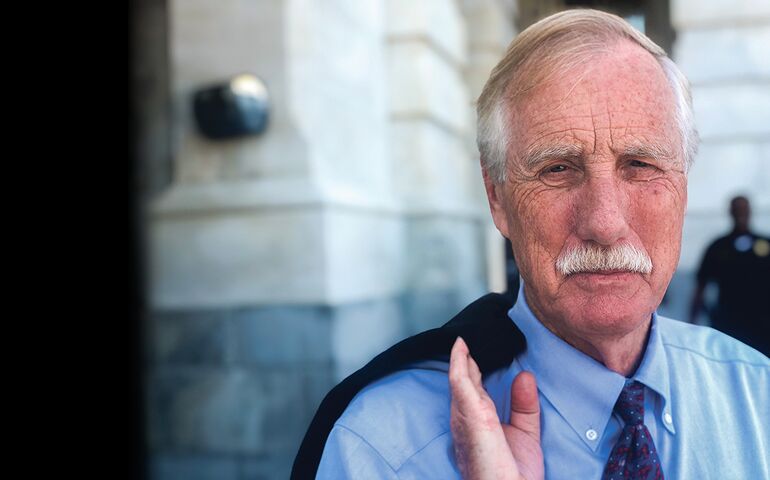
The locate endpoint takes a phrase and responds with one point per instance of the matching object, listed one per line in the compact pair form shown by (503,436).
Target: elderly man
(586,135)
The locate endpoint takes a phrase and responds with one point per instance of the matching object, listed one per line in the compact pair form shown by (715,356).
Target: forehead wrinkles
(592,108)
(617,96)
(612,129)
(619,122)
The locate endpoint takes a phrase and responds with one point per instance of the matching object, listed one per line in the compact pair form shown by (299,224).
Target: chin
(609,304)
(611,316)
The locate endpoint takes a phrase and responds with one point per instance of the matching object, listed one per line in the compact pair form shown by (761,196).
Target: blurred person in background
(739,264)
(586,136)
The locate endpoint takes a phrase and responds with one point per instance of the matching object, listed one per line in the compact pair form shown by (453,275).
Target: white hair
(556,44)
(590,257)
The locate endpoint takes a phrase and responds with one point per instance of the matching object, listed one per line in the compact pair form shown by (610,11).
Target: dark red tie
(634,455)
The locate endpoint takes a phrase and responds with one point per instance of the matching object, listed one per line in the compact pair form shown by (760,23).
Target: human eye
(559,174)
(640,164)
(641,170)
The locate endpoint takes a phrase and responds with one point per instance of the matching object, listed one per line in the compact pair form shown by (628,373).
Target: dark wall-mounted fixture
(233,109)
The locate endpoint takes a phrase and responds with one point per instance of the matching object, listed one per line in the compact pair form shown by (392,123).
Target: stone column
(435,176)
(268,253)
(490,26)
(280,263)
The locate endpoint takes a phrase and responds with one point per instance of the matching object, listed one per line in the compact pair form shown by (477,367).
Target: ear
(496,203)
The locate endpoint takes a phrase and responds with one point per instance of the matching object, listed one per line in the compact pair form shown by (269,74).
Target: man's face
(595,159)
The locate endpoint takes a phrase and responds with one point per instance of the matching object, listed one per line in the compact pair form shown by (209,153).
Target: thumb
(525,405)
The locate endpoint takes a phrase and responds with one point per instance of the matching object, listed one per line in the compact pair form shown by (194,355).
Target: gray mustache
(594,258)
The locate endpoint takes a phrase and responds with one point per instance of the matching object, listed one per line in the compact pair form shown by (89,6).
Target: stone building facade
(280,263)
(277,264)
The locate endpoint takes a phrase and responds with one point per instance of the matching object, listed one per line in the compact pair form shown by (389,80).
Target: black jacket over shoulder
(493,340)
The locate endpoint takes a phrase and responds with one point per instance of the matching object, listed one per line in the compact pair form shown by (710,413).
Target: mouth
(604,278)
(606,272)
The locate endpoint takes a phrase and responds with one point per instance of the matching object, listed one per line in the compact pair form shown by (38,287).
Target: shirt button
(667,418)
(591,434)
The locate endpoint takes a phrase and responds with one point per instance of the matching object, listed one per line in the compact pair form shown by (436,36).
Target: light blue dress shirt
(707,406)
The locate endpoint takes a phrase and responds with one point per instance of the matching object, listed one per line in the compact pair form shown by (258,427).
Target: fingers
(457,359)
(480,445)
(464,373)
(474,372)
(525,405)
(459,377)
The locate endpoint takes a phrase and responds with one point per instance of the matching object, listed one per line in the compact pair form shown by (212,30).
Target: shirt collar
(564,374)
(653,371)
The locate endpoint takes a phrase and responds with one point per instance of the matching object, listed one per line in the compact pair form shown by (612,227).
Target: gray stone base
(217,467)
(230,392)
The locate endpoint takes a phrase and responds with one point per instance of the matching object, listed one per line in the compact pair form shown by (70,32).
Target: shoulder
(713,376)
(709,346)
(402,413)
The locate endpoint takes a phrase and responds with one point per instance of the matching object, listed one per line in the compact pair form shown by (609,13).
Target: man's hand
(486,449)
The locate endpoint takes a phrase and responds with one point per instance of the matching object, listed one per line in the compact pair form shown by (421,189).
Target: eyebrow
(651,150)
(536,156)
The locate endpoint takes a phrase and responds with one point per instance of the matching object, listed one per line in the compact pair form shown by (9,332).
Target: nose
(601,212)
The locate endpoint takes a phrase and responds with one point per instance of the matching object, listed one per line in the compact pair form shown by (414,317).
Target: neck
(621,354)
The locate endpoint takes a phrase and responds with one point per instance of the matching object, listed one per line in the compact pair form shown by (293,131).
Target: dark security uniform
(740,265)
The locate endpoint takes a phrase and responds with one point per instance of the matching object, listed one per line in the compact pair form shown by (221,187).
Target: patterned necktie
(634,455)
